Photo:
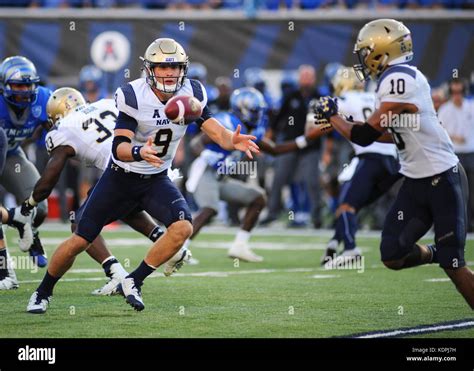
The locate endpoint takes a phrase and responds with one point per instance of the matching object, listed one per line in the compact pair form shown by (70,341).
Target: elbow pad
(364,135)
(116,142)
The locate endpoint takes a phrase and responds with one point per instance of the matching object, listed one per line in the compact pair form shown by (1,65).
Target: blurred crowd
(248,5)
(302,187)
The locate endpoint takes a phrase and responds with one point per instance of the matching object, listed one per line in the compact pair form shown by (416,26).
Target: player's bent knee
(77,244)
(395,265)
(180,231)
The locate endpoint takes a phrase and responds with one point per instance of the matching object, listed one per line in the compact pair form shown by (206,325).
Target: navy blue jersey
(19,129)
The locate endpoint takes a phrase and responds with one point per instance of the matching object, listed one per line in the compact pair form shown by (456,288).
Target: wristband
(136,153)
(301,142)
(32,201)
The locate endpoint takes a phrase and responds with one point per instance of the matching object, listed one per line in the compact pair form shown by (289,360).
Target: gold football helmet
(165,52)
(345,79)
(381,43)
(61,102)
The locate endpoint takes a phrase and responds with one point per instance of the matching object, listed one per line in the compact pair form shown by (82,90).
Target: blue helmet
(90,73)
(248,105)
(18,70)
(197,71)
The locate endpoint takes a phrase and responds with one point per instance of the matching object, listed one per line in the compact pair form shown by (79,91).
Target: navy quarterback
(144,145)
(84,131)
(434,191)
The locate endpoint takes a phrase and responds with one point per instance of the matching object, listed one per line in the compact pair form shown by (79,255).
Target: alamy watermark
(404,120)
(248,168)
(18,263)
(346,262)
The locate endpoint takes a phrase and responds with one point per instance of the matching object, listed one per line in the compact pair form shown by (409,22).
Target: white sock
(242,237)
(107,259)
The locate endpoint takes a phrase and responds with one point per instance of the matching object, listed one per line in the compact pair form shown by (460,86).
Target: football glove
(325,108)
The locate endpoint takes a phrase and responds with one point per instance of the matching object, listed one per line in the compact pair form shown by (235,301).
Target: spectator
(457,116)
(288,124)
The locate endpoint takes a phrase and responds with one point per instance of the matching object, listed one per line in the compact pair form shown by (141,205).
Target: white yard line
(194,274)
(418,330)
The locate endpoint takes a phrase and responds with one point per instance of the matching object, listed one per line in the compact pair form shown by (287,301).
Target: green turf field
(288,295)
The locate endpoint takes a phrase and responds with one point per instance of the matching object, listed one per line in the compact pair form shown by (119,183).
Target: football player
(8,280)
(145,142)
(434,191)
(84,131)
(371,173)
(209,181)
(22,115)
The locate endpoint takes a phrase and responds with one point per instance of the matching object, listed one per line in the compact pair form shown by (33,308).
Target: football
(183,110)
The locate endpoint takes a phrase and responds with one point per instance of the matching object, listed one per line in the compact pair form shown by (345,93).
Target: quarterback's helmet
(163,53)
(19,70)
(381,43)
(345,79)
(248,104)
(61,102)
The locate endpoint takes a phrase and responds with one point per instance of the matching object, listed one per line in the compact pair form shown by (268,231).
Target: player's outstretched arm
(362,133)
(230,140)
(49,178)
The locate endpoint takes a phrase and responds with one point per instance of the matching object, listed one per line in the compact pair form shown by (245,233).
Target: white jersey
(89,131)
(360,105)
(137,100)
(423,144)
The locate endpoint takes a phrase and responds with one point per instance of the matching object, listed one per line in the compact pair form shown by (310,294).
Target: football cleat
(117,273)
(242,252)
(38,303)
(8,280)
(177,261)
(37,252)
(23,223)
(330,253)
(132,293)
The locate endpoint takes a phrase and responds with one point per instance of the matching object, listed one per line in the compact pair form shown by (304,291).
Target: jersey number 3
(101,129)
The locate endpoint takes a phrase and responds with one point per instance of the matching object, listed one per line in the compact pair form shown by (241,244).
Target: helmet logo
(16,75)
